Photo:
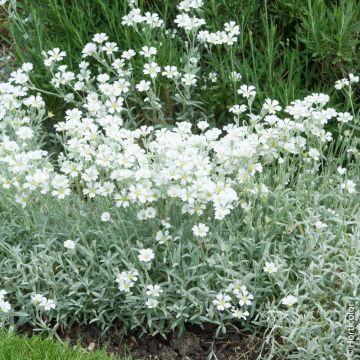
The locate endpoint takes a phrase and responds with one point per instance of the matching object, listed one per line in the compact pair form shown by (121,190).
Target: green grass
(13,347)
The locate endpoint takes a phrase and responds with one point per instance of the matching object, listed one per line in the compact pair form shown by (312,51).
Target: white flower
(24,133)
(146,255)
(47,304)
(153,20)
(314,154)
(349,186)
(128,54)
(151,303)
(222,302)
(200,230)
(237,288)
(69,244)
(344,117)
(353,78)
(162,236)
(238,109)
(110,48)
(271,106)
(105,216)
(289,300)
(55,55)
(235,76)
(143,85)
(153,290)
(126,280)
(69,97)
(89,50)
(341,170)
(188,23)
(37,299)
(202,125)
(189,79)
(128,275)
(247,91)
(341,83)
(146,214)
(170,72)
(27,67)
(148,52)
(100,38)
(213,76)
(232,27)
(152,69)
(240,314)
(319,225)
(270,267)
(2,294)
(245,298)
(4,306)
(187,5)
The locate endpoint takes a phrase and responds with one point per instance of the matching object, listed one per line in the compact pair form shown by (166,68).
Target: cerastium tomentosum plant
(157,226)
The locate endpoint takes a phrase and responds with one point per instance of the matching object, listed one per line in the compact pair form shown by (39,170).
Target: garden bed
(195,344)
(160,182)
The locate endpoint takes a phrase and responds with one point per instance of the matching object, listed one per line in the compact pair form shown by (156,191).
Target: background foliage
(287,49)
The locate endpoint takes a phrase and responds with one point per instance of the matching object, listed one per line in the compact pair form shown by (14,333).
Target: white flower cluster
(135,17)
(126,280)
(223,301)
(42,302)
(69,244)
(24,166)
(228,36)
(103,157)
(154,292)
(191,23)
(188,5)
(5,306)
(345,82)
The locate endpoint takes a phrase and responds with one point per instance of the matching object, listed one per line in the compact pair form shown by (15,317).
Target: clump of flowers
(43,302)
(234,300)
(126,280)
(135,17)
(154,292)
(24,166)
(153,175)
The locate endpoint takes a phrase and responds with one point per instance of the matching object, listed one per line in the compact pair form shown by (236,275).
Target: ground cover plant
(141,210)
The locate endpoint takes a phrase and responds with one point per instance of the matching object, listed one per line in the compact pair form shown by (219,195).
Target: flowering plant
(182,220)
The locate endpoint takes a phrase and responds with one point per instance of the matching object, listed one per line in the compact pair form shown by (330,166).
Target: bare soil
(194,344)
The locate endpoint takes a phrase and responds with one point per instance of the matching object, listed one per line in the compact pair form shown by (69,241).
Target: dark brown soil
(193,344)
